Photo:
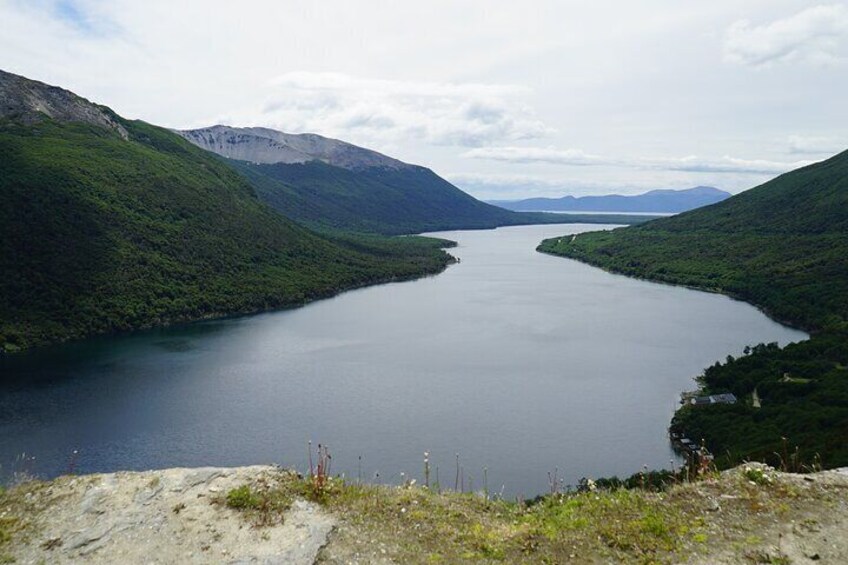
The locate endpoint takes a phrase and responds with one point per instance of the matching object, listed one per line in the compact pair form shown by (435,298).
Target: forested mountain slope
(782,246)
(109,225)
(332,185)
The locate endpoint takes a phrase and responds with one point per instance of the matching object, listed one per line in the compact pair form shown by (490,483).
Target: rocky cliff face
(266,146)
(29,101)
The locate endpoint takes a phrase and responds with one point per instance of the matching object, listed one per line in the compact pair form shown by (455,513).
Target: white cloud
(499,186)
(547,155)
(552,155)
(803,145)
(812,35)
(427,81)
(726,164)
(499,179)
(577,157)
(381,110)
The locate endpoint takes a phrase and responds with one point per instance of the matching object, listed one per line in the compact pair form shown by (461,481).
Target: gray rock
(263,145)
(31,101)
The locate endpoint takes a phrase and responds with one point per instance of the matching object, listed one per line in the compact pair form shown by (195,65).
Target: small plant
(555,483)
(758,475)
(263,504)
(586,485)
(72,462)
(243,498)
(7,527)
(320,481)
(22,470)
(427,469)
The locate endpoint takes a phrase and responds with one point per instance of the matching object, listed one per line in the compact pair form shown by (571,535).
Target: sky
(506,99)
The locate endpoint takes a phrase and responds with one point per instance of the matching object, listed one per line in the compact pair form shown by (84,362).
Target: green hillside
(99,234)
(383,200)
(782,246)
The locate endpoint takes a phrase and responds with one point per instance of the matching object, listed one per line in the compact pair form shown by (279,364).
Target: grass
(416,524)
(728,517)
(263,503)
(17,507)
(740,511)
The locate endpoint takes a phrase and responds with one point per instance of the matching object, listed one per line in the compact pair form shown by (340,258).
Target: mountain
(782,246)
(267,146)
(329,184)
(109,224)
(654,201)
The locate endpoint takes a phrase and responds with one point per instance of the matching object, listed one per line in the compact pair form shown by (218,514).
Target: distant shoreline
(607,213)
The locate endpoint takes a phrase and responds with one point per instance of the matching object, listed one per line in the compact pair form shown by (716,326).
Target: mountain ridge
(266,146)
(328,184)
(30,100)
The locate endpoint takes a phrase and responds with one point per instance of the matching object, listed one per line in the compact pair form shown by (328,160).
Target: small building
(684,444)
(723,398)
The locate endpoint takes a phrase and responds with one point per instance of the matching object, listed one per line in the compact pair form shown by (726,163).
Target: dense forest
(104,230)
(782,246)
(385,201)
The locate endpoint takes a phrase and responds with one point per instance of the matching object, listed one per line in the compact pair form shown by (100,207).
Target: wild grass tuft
(263,503)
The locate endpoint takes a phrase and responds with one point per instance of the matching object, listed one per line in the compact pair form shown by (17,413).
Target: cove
(519,361)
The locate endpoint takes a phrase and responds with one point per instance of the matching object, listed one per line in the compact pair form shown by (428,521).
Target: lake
(518,361)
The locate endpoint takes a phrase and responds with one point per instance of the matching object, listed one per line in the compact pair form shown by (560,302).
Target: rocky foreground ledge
(263,514)
(167,516)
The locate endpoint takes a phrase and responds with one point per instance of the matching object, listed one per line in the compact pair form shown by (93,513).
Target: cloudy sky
(507,99)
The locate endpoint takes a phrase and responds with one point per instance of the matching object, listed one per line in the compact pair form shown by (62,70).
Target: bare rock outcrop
(167,516)
(266,146)
(30,101)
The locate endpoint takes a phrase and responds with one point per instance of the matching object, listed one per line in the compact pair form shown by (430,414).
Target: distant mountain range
(330,184)
(655,201)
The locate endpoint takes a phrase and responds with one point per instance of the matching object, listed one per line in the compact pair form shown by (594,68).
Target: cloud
(802,145)
(574,157)
(498,186)
(499,179)
(495,75)
(812,35)
(380,110)
(577,157)
(726,164)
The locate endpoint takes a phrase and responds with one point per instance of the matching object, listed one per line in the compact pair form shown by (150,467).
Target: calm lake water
(518,361)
